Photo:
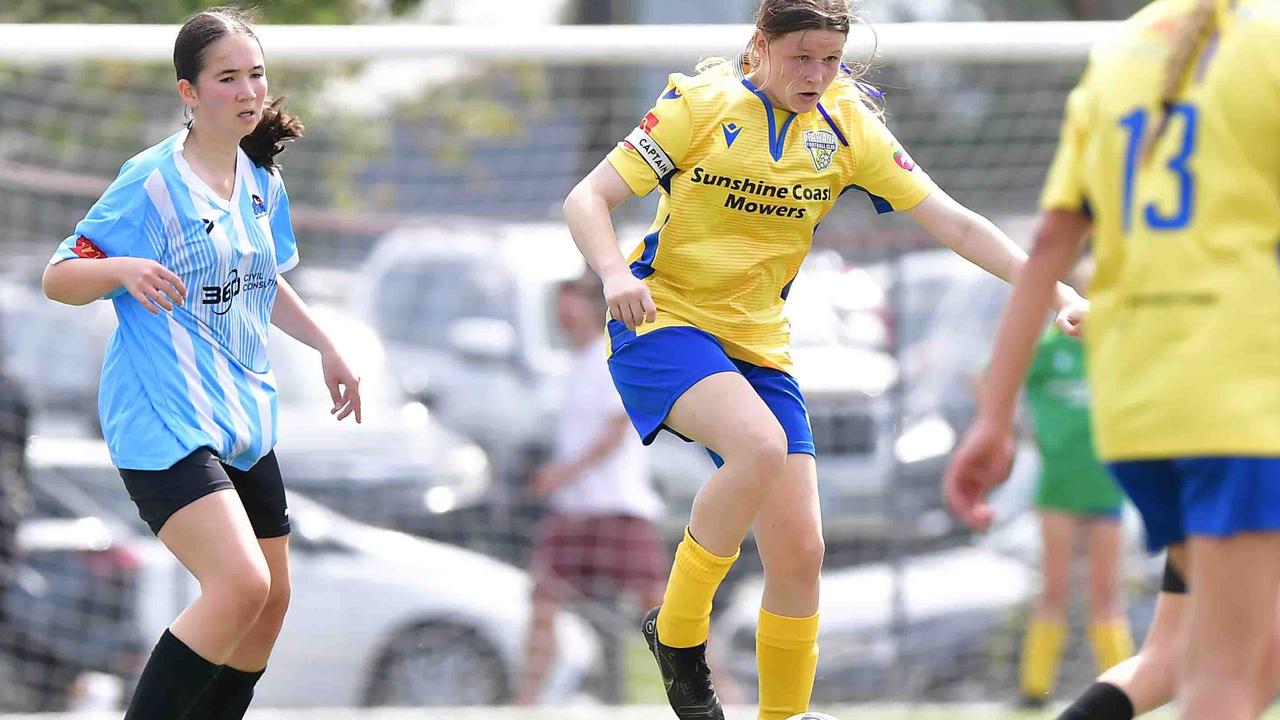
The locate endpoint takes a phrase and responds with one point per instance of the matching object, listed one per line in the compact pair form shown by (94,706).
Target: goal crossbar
(958,42)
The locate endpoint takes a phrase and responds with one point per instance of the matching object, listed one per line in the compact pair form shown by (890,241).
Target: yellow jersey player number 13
(1170,158)
(748,155)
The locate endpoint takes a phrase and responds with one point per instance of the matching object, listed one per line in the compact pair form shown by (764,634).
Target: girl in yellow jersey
(1171,155)
(748,156)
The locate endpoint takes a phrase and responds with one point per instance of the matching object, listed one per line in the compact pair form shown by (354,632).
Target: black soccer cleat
(685,675)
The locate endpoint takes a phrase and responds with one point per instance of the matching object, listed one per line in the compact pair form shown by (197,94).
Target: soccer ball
(811,716)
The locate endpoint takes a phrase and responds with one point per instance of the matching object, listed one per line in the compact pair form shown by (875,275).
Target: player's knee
(241,592)
(800,558)
(760,451)
(277,602)
(808,555)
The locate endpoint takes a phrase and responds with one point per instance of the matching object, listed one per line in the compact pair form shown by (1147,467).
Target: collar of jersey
(777,138)
(196,182)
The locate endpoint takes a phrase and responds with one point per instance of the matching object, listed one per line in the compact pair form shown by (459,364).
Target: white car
(377,617)
(400,469)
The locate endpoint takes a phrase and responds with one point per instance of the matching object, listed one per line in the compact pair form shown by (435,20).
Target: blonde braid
(1190,34)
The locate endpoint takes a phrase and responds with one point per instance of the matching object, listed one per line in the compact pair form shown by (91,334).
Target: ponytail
(272,132)
(1190,36)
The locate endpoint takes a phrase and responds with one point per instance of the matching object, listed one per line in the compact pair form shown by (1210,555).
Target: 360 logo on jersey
(221,296)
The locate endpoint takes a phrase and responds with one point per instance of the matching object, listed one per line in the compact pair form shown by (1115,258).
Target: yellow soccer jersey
(1184,337)
(743,186)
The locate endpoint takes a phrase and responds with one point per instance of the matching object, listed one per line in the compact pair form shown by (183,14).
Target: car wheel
(438,664)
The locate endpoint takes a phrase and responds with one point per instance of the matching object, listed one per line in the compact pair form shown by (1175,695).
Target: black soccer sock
(227,697)
(1102,701)
(172,681)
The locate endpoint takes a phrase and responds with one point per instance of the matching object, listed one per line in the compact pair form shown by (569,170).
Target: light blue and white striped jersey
(199,376)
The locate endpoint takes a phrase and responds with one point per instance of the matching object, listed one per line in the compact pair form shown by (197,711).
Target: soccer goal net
(426,199)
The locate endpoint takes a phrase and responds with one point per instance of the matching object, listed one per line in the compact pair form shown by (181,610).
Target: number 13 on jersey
(1136,123)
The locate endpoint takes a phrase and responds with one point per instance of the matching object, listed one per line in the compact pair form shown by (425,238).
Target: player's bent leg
(722,412)
(255,649)
(725,414)
(788,532)
(1145,681)
(1109,634)
(212,537)
(229,695)
(1230,623)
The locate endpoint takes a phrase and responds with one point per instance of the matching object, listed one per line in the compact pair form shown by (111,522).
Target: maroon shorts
(597,556)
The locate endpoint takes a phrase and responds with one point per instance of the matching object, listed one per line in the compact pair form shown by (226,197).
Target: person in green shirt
(1074,492)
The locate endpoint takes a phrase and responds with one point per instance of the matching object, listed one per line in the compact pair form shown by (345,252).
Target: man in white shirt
(598,540)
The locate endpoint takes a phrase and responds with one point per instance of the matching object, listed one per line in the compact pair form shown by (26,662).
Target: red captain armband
(86,249)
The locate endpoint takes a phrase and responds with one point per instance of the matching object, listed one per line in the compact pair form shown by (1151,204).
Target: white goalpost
(558,44)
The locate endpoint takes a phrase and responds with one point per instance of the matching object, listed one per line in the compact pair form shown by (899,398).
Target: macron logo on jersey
(259,207)
(643,143)
(731,131)
(672,94)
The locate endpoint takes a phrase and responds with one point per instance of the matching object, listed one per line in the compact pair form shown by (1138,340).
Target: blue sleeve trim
(881,205)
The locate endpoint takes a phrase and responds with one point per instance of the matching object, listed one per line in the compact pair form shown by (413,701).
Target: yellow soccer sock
(786,658)
(1041,652)
(1112,643)
(686,606)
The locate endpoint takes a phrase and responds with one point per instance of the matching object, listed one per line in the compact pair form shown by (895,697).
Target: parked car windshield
(416,303)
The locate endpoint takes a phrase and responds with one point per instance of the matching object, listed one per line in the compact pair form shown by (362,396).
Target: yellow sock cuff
(786,633)
(1112,643)
(700,562)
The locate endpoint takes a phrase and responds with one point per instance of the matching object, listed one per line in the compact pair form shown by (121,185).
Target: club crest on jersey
(822,147)
(259,207)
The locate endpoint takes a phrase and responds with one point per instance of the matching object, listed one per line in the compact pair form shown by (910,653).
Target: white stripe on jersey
(183,346)
(200,399)
(259,391)
(222,244)
(235,403)
(250,186)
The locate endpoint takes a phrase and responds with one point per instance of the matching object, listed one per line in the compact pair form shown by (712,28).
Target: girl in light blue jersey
(188,242)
